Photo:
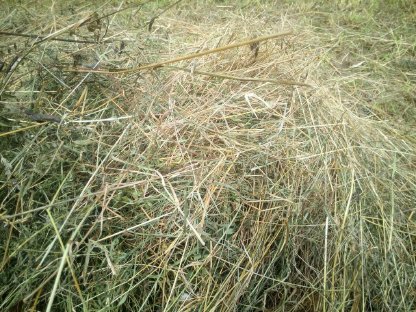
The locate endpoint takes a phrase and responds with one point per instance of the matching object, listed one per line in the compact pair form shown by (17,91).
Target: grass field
(208,155)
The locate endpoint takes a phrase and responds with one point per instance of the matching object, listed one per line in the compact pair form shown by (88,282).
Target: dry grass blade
(225,76)
(187,57)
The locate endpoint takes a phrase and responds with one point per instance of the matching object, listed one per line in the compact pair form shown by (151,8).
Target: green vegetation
(277,176)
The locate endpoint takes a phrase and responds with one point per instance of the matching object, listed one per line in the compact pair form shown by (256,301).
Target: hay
(210,185)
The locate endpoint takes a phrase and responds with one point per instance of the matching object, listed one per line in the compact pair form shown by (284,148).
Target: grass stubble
(276,176)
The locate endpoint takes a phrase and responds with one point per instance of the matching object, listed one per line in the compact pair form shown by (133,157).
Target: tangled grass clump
(259,178)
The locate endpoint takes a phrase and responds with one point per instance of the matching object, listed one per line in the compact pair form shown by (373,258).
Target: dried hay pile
(258,178)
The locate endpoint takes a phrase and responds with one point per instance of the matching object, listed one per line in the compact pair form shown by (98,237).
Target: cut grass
(183,188)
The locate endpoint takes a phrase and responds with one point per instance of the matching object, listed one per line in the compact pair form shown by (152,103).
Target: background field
(273,176)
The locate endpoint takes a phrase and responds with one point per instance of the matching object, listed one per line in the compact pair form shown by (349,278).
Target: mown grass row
(212,184)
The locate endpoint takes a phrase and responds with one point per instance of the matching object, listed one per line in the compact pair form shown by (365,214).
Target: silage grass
(169,190)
